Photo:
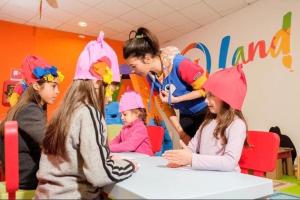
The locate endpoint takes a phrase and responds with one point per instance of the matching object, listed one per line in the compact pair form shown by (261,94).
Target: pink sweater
(211,154)
(132,138)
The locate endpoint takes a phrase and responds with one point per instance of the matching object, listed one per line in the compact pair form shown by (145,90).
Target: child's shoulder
(238,123)
(84,110)
(31,108)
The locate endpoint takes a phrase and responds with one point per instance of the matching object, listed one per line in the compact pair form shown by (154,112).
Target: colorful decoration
(279,45)
(48,73)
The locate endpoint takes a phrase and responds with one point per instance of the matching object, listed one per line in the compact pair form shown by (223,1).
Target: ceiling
(168,19)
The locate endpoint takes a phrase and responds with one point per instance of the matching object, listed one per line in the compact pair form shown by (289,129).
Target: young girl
(178,80)
(40,87)
(219,141)
(133,136)
(75,161)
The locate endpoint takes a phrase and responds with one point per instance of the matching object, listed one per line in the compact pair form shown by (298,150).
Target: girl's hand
(179,157)
(136,165)
(115,157)
(164,96)
(173,165)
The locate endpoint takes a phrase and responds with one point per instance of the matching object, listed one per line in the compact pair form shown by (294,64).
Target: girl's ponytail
(141,42)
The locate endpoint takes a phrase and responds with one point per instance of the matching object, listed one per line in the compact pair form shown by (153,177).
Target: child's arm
(116,140)
(194,142)
(98,167)
(138,135)
(32,120)
(232,153)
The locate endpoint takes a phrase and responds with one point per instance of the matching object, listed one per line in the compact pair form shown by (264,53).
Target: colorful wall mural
(279,45)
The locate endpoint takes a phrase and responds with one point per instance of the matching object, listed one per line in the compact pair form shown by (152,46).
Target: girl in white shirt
(219,141)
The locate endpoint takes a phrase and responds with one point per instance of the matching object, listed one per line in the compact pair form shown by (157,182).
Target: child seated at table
(133,136)
(219,141)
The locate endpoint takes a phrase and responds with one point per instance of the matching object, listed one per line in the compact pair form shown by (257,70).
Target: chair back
(11,156)
(261,154)
(156,135)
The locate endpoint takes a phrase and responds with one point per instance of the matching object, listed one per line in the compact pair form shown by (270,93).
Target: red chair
(11,149)
(261,154)
(156,135)
(9,189)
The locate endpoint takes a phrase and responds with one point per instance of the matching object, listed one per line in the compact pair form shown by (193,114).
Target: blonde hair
(80,92)
(141,113)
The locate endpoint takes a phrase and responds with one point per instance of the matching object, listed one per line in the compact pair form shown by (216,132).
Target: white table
(155,181)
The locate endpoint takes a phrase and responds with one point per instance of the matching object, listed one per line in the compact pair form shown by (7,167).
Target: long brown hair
(28,96)
(80,92)
(225,118)
(143,42)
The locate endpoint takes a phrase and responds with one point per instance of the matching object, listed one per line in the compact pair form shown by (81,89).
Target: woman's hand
(177,158)
(164,96)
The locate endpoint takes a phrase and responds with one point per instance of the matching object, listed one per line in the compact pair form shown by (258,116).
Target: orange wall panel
(59,48)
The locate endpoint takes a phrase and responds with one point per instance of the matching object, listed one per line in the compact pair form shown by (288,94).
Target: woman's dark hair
(140,43)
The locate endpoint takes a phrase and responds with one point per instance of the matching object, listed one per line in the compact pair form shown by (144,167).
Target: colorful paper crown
(34,69)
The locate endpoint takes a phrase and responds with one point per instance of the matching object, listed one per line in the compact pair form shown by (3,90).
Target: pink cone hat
(95,51)
(229,85)
(130,100)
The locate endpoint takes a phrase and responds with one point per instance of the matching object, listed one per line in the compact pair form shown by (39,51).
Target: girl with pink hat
(76,161)
(177,79)
(133,136)
(29,101)
(219,141)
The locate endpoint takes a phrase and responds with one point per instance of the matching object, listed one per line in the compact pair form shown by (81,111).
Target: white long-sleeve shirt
(212,155)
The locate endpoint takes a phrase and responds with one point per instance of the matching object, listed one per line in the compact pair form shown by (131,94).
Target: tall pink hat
(96,54)
(228,84)
(130,100)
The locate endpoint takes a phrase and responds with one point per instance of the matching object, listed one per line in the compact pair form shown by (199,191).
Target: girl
(178,80)
(219,141)
(41,88)
(133,136)
(75,161)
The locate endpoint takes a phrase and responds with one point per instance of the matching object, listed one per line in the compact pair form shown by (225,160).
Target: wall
(273,75)
(59,48)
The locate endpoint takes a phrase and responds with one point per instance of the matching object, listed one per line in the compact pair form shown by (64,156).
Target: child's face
(138,66)
(214,103)
(128,117)
(48,92)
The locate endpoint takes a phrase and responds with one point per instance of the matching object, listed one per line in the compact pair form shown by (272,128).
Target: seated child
(219,141)
(76,162)
(37,89)
(133,136)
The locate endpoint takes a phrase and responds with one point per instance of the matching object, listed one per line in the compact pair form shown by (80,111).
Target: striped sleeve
(98,168)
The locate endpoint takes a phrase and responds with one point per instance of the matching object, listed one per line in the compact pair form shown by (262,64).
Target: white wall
(273,96)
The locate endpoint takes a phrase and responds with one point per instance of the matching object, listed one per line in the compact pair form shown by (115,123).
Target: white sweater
(212,155)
